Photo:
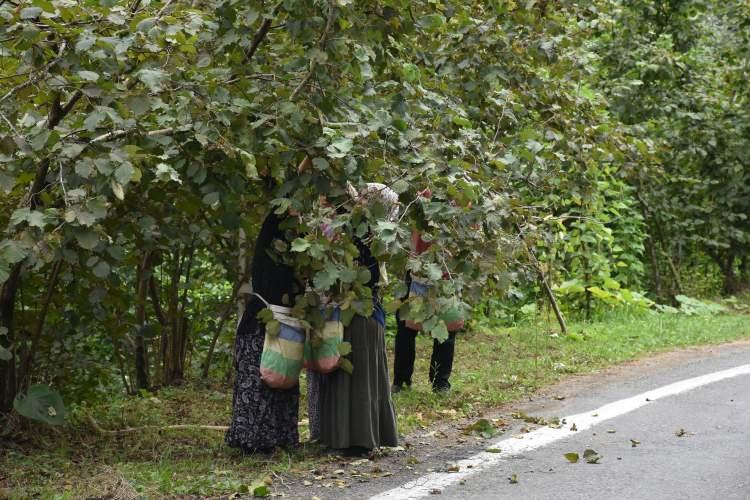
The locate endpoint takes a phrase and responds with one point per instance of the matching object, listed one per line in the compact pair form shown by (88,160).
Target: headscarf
(375,191)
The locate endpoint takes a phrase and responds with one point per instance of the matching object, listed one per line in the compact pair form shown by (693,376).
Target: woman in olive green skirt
(356,410)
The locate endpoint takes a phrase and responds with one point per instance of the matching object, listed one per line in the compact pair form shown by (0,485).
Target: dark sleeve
(366,259)
(271,277)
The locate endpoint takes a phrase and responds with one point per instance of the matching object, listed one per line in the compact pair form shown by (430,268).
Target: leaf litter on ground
(591,456)
(481,427)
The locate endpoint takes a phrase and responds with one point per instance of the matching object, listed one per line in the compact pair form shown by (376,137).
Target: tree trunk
(731,284)
(173,358)
(141,352)
(25,374)
(745,272)
(8,384)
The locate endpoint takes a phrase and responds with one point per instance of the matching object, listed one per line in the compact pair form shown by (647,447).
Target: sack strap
(282,314)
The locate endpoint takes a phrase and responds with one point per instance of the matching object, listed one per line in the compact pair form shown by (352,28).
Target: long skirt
(356,409)
(262,418)
(313,403)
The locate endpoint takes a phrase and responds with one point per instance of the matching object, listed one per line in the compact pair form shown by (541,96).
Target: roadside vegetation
(495,364)
(588,171)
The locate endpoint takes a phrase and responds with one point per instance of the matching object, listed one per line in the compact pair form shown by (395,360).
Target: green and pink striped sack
(283,349)
(323,349)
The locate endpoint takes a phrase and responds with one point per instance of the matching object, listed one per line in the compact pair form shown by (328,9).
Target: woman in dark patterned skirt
(263,418)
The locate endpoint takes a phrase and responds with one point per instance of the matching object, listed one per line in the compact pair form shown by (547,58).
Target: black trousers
(441,363)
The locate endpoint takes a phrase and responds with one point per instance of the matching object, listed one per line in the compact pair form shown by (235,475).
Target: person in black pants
(441,363)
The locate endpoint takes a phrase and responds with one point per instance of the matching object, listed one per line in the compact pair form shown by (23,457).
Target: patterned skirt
(262,418)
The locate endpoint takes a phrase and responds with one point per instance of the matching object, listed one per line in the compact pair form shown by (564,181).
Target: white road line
(421,487)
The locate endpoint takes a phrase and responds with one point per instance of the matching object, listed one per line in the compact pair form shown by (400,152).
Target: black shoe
(357,451)
(441,389)
(396,388)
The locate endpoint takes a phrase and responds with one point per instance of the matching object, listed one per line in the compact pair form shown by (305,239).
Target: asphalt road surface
(690,421)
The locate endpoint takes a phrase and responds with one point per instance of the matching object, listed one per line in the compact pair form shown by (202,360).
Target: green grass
(493,366)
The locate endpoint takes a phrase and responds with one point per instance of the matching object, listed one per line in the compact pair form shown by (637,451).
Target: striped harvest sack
(281,360)
(322,351)
(419,289)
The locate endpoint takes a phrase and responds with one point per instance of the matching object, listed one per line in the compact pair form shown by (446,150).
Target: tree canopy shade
(142,143)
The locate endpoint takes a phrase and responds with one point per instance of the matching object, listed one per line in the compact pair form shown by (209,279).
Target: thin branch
(259,36)
(320,44)
(38,76)
(223,319)
(162,10)
(130,430)
(117,134)
(39,326)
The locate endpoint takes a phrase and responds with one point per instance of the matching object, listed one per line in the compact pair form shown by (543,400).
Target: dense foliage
(600,149)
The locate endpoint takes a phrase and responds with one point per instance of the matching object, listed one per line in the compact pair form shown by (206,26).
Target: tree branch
(39,326)
(38,76)
(320,44)
(130,430)
(223,319)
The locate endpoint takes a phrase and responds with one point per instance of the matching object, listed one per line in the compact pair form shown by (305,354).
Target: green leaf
(300,245)
(211,199)
(273,328)
(392,306)
(261,491)
(36,219)
(410,72)
(591,456)
(88,76)
(101,269)
(7,182)
(482,427)
(344,348)
(166,173)
(153,78)
(248,159)
(30,12)
(124,173)
(12,251)
(87,239)
(117,190)
(346,365)
(5,354)
(440,332)
(41,403)
(572,457)
(431,21)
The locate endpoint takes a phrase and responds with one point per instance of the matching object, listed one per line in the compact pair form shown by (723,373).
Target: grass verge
(493,366)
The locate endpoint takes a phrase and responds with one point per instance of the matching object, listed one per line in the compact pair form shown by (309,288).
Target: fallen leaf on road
(493,450)
(572,457)
(634,443)
(591,456)
(573,428)
(453,468)
(513,479)
(435,491)
(611,431)
(681,433)
(482,427)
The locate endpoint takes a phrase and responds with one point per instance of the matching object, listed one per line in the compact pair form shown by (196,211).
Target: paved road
(711,460)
